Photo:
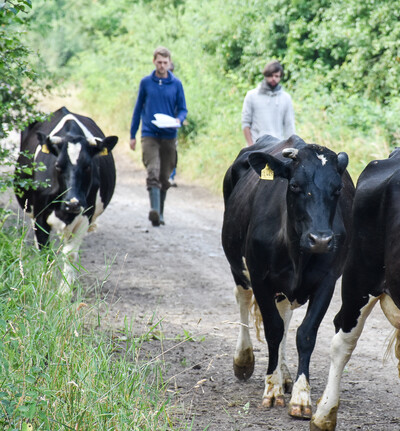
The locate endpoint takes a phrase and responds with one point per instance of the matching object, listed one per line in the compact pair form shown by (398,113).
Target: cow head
(72,169)
(314,176)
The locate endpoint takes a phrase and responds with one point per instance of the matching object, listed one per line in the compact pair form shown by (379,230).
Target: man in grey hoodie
(268,109)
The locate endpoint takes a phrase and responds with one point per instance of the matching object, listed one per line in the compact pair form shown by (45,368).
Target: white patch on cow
(322,158)
(99,208)
(301,392)
(295,305)
(37,151)
(244,347)
(245,271)
(71,236)
(73,151)
(55,223)
(285,311)
(273,385)
(72,117)
(342,347)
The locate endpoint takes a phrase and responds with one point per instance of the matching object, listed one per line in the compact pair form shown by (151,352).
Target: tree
(19,83)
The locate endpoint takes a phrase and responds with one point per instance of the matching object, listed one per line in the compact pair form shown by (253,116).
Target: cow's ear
(104,146)
(343,161)
(47,143)
(110,142)
(264,164)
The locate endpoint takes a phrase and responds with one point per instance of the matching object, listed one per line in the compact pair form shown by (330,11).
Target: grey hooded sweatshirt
(268,111)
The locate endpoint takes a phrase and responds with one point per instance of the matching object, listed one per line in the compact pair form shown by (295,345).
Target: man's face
(274,79)
(162,65)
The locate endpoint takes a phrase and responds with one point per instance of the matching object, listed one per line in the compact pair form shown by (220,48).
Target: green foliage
(18,83)
(59,371)
(341,59)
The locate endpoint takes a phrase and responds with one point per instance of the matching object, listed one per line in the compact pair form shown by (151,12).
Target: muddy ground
(178,274)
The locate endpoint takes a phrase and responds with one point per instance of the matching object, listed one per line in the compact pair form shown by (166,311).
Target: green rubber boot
(154,214)
(162,200)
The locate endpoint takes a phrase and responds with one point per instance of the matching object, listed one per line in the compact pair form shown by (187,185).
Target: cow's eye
(58,167)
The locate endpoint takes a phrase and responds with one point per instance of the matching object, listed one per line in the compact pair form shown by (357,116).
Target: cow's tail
(394,340)
(397,348)
(257,317)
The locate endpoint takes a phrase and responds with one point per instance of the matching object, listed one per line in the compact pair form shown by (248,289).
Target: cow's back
(376,225)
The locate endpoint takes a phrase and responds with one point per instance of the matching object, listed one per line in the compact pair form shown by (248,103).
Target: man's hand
(247,135)
(133,144)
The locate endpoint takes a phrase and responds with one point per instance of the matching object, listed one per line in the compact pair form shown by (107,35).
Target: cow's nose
(320,243)
(73,206)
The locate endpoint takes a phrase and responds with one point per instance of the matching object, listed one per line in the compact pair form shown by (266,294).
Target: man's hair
(273,67)
(162,51)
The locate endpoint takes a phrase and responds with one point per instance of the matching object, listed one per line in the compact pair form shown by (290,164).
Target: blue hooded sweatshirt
(158,95)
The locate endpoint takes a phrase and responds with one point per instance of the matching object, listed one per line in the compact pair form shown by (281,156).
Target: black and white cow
(80,172)
(371,274)
(285,235)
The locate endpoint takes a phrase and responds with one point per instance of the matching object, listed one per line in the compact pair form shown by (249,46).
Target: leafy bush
(19,82)
(341,62)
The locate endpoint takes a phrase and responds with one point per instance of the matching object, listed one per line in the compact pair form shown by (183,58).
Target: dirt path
(178,273)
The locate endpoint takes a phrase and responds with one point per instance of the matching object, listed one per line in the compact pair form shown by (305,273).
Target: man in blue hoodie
(159,93)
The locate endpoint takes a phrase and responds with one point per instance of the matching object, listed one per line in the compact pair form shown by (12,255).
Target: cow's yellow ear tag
(267,173)
(104,152)
(45,149)
(27,427)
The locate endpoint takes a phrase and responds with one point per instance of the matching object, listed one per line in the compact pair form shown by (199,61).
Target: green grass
(58,370)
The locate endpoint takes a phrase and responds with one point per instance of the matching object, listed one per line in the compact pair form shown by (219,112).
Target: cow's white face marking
(73,151)
(322,158)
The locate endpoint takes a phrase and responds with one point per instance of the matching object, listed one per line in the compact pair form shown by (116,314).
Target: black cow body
(80,170)
(372,273)
(286,241)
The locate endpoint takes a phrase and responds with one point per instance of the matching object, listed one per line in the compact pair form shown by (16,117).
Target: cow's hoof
(300,412)
(324,422)
(154,217)
(326,426)
(278,401)
(244,372)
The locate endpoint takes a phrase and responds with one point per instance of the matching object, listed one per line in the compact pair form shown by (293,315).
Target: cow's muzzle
(319,243)
(73,206)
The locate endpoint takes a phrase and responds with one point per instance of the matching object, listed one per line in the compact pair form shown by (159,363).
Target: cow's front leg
(72,236)
(342,346)
(243,360)
(285,311)
(274,333)
(300,402)
(42,231)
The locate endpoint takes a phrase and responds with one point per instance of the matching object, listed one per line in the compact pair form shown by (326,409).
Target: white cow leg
(243,360)
(73,238)
(342,347)
(286,313)
(280,380)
